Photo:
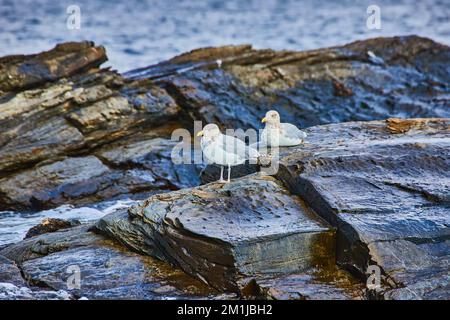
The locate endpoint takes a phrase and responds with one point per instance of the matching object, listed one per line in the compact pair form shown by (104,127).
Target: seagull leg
(229,173)
(221,175)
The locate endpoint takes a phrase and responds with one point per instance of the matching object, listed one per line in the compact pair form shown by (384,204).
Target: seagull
(224,150)
(277,134)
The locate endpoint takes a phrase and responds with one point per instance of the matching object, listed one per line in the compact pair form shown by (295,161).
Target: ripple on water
(137,33)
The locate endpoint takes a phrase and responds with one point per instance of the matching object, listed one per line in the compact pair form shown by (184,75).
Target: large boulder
(385,186)
(231,235)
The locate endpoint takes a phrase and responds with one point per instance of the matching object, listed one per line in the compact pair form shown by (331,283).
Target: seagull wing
(292,132)
(238,147)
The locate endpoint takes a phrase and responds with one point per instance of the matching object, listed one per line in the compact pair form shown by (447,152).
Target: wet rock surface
(388,196)
(59,107)
(325,283)
(365,80)
(105,270)
(50,225)
(228,235)
(10,273)
(356,193)
(385,194)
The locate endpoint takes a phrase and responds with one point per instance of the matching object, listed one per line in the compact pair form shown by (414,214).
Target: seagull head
(209,132)
(272,118)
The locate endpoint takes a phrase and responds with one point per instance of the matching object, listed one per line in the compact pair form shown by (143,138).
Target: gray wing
(292,132)
(237,146)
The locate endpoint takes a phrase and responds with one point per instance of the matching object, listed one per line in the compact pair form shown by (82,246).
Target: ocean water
(138,33)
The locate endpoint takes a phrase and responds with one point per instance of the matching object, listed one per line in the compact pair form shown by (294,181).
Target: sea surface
(139,33)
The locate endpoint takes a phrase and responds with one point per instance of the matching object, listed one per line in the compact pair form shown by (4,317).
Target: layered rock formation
(385,194)
(357,194)
(105,270)
(64,119)
(223,232)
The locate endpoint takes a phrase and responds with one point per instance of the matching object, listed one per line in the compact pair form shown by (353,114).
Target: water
(14,225)
(138,33)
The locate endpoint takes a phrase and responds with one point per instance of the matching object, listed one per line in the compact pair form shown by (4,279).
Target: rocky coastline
(370,188)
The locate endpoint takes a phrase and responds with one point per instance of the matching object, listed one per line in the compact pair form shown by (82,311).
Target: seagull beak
(200,133)
(264,120)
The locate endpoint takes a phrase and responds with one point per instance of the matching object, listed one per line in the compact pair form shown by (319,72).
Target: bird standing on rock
(224,150)
(277,134)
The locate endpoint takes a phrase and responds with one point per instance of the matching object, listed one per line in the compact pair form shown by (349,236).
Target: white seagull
(277,134)
(224,150)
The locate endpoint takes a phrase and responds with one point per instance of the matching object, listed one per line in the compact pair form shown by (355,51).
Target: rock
(211,172)
(385,193)
(76,180)
(52,121)
(153,155)
(74,115)
(395,125)
(50,225)
(20,71)
(388,196)
(358,193)
(14,287)
(60,105)
(309,88)
(10,291)
(330,283)
(223,233)
(105,270)
(10,273)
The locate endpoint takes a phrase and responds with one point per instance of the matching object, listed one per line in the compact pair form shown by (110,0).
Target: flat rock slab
(104,269)
(223,232)
(66,59)
(388,195)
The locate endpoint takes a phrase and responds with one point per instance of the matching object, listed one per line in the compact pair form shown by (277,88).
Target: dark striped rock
(61,104)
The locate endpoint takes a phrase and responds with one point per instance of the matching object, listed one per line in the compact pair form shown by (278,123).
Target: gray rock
(9,291)
(309,88)
(10,272)
(388,196)
(105,270)
(50,225)
(223,233)
(60,104)
(329,283)
(21,71)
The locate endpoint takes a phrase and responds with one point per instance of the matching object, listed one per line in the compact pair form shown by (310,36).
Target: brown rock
(49,225)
